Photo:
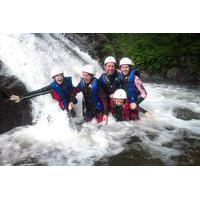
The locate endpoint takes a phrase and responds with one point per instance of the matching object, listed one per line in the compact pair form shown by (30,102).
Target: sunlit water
(54,140)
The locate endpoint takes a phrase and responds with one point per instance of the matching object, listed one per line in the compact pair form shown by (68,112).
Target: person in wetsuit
(132,84)
(96,105)
(60,89)
(110,79)
(120,107)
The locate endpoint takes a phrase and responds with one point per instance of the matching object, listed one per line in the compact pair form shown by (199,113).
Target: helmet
(55,71)
(125,61)
(109,59)
(120,94)
(89,69)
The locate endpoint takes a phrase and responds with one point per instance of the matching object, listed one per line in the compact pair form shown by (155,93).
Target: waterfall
(52,141)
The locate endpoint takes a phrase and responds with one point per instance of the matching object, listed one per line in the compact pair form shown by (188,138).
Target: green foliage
(108,49)
(155,51)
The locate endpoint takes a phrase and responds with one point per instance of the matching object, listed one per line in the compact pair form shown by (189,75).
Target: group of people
(118,91)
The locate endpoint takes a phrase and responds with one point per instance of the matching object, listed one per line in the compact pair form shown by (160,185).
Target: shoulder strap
(132,76)
(106,79)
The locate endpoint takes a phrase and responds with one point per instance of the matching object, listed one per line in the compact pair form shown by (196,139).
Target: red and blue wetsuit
(123,113)
(60,93)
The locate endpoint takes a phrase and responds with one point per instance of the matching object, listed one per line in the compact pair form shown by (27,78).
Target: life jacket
(123,113)
(93,98)
(62,93)
(128,84)
(110,85)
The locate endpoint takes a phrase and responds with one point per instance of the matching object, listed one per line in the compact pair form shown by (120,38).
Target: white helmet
(55,71)
(120,94)
(125,61)
(89,69)
(109,59)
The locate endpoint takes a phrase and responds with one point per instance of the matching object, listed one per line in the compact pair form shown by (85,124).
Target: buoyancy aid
(110,83)
(128,84)
(62,92)
(91,94)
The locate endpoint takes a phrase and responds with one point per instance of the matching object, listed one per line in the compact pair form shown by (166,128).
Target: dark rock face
(144,75)
(173,73)
(88,42)
(182,75)
(157,77)
(13,114)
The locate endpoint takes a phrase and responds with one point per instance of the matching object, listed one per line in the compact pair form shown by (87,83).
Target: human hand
(148,115)
(133,106)
(70,106)
(111,96)
(15,98)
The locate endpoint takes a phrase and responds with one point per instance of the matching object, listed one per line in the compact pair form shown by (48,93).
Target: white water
(51,141)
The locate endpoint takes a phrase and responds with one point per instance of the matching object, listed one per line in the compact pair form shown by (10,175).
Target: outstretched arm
(29,95)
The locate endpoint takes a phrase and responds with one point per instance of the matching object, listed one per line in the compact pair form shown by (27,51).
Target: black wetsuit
(42,91)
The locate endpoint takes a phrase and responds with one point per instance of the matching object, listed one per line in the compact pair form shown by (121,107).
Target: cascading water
(51,141)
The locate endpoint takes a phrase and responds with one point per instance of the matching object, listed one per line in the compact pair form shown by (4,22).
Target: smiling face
(109,68)
(59,78)
(119,102)
(87,77)
(125,69)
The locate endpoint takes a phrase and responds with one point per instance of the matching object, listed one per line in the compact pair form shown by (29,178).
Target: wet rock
(173,73)
(189,147)
(152,136)
(91,43)
(168,145)
(185,114)
(184,74)
(190,152)
(169,128)
(145,75)
(134,139)
(156,77)
(29,162)
(134,157)
(11,114)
